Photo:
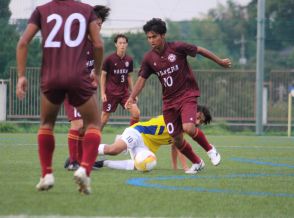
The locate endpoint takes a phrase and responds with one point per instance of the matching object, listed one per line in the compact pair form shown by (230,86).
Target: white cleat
(214,156)
(195,168)
(82,180)
(46,183)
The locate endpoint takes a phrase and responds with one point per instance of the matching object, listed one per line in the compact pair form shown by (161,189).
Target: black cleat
(98,164)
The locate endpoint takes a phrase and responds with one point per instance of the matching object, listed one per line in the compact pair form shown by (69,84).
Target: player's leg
(46,142)
(174,125)
(104,119)
(189,111)
(91,120)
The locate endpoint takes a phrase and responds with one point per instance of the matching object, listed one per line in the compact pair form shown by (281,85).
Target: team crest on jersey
(171,58)
(127,63)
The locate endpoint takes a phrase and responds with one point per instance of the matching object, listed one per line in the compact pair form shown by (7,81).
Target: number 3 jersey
(154,133)
(117,70)
(64,29)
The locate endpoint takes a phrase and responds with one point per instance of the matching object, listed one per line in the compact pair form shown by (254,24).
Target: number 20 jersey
(64,29)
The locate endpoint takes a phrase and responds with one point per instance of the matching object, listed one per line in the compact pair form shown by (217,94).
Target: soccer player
(149,135)
(168,61)
(116,81)
(64,26)
(76,133)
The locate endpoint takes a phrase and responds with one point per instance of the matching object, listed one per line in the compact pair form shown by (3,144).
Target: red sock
(80,147)
(187,150)
(134,120)
(200,138)
(73,140)
(46,144)
(90,148)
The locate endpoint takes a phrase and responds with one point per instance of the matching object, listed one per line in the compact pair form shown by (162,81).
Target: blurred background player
(76,133)
(148,135)
(168,60)
(64,26)
(116,81)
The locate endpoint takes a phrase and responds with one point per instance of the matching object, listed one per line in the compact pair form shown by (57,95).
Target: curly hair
(206,113)
(155,25)
(101,12)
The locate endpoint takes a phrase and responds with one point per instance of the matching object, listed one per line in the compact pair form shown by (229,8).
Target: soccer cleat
(98,164)
(73,166)
(195,168)
(66,163)
(82,180)
(214,156)
(46,183)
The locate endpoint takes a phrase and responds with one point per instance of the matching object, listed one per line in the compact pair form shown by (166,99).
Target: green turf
(233,189)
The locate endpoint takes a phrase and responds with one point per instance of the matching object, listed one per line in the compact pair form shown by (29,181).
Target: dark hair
(155,25)
(101,12)
(206,113)
(120,36)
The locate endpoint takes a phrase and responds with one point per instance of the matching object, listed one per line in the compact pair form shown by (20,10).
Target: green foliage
(8,127)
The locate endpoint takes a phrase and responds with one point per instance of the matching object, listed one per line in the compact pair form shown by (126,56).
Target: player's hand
(21,87)
(103,98)
(95,78)
(226,63)
(129,103)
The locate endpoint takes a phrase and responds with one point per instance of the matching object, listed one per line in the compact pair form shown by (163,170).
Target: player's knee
(189,129)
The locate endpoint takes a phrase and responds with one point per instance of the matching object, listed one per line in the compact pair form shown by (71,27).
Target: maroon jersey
(117,69)
(64,28)
(90,56)
(173,71)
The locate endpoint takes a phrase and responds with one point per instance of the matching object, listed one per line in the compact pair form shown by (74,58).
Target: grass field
(255,179)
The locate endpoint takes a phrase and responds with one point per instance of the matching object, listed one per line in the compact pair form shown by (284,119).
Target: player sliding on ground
(150,135)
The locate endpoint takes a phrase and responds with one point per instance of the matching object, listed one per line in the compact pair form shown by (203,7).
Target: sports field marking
(145,182)
(245,160)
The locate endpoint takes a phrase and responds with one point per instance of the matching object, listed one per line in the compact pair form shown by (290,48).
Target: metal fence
(230,95)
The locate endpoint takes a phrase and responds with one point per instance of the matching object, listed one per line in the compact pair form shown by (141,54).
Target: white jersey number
(122,78)
(50,43)
(170,128)
(168,81)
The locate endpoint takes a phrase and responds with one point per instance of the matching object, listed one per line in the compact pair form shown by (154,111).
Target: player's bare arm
(98,48)
(103,85)
(226,63)
(21,57)
(140,83)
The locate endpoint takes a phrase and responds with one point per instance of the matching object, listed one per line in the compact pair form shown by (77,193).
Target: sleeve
(105,65)
(186,48)
(145,70)
(35,18)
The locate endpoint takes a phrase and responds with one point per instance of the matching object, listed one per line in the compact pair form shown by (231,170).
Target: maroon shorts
(112,101)
(177,114)
(71,112)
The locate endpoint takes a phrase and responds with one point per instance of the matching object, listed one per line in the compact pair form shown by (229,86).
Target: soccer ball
(145,161)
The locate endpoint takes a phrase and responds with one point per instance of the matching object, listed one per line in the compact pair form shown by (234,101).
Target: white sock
(120,164)
(101,149)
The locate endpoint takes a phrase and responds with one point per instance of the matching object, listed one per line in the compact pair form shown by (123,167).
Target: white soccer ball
(145,161)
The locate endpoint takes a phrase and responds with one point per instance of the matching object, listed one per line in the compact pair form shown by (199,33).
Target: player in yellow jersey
(148,135)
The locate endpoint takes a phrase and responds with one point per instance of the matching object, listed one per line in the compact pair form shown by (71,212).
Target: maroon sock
(91,142)
(134,120)
(200,138)
(46,145)
(80,147)
(73,140)
(187,150)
